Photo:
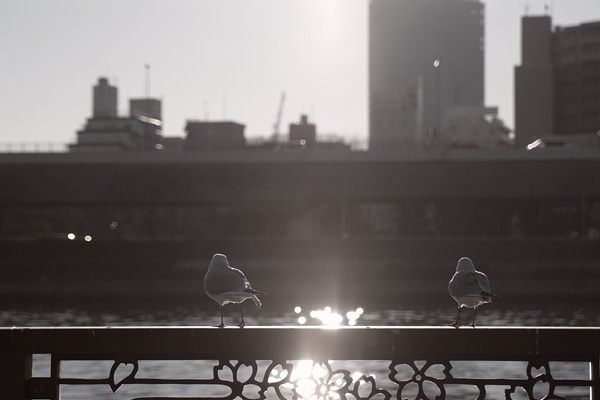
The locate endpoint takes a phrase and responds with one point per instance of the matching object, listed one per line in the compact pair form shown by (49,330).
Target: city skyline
(220,60)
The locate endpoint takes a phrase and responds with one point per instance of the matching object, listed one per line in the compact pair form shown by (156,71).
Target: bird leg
(222,324)
(456,324)
(474,312)
(242,324)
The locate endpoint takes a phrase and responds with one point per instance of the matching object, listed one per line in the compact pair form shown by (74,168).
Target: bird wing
(464,284)
(484,283)
(248,287)
(240,275)
(224,281)
(253,291)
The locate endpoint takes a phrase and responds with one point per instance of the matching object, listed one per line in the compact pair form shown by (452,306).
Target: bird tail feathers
(495,296)
(253,291)
(254,298)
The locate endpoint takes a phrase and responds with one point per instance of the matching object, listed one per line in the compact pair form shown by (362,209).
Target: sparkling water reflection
(543,313)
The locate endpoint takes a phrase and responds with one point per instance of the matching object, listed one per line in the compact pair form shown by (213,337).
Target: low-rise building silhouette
(148,111)
(303,132)
(142,130)
(214,135)
(105,130)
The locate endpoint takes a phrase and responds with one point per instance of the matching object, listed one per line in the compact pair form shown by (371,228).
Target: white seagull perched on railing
(470,288)
(225,285)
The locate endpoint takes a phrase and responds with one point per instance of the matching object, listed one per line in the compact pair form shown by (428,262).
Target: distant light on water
(328,317)
(352,315)
(332,319)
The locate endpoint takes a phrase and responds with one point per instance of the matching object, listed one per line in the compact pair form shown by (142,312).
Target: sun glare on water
(316,381)
(328,317)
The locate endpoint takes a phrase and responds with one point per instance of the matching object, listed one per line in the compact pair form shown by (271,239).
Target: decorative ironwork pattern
(422,375)
(289,380)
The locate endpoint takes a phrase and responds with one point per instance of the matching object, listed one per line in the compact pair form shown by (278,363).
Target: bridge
(302,194)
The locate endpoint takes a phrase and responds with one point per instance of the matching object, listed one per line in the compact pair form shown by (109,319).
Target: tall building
(557,85)
(534,89)
(425,57)
(576,55)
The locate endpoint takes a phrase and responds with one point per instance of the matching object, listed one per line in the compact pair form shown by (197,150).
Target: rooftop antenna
(526,8)
(147,67)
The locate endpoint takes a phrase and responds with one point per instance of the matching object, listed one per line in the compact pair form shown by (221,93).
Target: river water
(549,312)
(187,312)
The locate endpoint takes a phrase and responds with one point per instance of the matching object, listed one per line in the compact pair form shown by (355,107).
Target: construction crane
(278,119)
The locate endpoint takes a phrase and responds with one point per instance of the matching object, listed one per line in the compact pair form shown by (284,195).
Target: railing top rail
(301,327)
(347,343)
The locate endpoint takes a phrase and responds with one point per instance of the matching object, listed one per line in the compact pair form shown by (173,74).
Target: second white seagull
(225,284)
(470,288)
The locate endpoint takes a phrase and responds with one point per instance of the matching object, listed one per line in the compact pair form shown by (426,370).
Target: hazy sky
(218,59)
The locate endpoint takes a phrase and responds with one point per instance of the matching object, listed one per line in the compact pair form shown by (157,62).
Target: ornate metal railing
(262,362)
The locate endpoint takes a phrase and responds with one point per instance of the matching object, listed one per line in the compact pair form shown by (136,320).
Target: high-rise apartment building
(557,85)
(576,55)
(534,89)
(425,57)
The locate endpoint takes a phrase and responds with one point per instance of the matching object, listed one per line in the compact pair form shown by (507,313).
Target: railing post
(595,378)
(15,367)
